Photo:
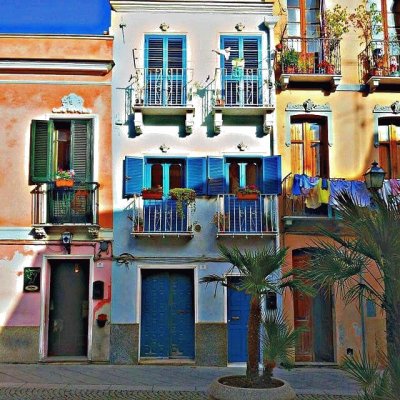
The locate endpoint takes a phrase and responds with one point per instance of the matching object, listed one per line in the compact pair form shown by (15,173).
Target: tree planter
(152,195)
(219,391)
(64,182)
(247,196)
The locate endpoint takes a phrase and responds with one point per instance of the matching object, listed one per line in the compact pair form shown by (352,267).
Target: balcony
(77,205)
(241,91)
(297,217)
(236,217)
(310,61)
(159,218)
(379,64)
(160,91)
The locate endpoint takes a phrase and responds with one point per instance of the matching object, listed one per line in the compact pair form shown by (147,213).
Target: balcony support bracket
(335,82)
(218,122)
(138,122)
(284,81)
(93,232)
(39,233)
(189,122)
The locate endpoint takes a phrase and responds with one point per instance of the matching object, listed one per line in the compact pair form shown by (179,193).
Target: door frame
(139,295)
(45,301)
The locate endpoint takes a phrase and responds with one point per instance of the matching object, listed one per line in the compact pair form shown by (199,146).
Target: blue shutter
(196,174)
(215,175)
(272,175)
(133,176)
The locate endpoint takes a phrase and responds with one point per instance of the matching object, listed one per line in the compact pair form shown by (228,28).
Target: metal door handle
(235,318)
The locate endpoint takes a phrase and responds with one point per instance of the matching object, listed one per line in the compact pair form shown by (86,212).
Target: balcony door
(165,70)
(304,23)
(389,147)
(241,74)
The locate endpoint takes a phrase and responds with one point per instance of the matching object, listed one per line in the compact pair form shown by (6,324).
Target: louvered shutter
(252,72)
(230,83)
(196,174)
(175,72)
(41,157)
(272,175)
(133,176)
(81,154)
(154,52)
(216,178)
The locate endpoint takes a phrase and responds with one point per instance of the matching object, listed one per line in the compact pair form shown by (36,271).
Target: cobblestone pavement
(58,394)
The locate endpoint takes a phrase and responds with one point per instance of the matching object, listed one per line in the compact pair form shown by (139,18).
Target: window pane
(315,167)
(397,133)
(313,31)
(312,4)
(315,132)
(175,176)
(293,30)
(293,15)
(312,16)
(383,133)
(297,158)
(156,175)
(296,132)
(251,174)
(234,182)
(293,3)
(63,145)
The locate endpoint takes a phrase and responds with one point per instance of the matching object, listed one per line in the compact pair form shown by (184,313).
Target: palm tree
(365,263)
(256,270)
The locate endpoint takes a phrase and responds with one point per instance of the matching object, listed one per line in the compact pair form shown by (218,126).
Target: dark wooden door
(303,315)
(68,310)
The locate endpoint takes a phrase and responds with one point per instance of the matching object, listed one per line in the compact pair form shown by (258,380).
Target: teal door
(167,314)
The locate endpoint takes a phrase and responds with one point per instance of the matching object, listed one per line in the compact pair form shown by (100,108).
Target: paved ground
(69,381)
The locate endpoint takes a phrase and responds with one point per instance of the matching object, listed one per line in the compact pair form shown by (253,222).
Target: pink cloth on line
(395,186)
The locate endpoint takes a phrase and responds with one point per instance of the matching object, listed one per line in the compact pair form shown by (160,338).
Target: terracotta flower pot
(64,182)
(247,196)
(152,195)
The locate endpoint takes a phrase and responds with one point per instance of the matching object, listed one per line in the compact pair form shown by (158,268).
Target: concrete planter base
(218,391)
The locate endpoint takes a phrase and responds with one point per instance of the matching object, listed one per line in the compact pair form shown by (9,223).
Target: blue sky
(54,16)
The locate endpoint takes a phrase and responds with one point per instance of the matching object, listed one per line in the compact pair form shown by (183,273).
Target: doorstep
(166,361)
(65,360)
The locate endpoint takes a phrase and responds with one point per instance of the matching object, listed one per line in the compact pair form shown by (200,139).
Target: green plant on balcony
(220,220)
(289,60)
(65,178)
(183,196)
(336,22)
(306,64)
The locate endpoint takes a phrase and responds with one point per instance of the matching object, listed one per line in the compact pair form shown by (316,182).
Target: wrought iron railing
(319,56)
(242,87)
(65,205)
(380,58)
(159,217)
(244,217)
(160,87)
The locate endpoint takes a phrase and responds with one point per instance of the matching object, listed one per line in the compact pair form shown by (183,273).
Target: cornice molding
(57,67)
(194,6)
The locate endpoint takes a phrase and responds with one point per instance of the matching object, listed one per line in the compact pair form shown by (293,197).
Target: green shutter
(81,152)
(40,169)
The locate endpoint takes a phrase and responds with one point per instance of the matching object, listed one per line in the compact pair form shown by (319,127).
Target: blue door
(238,315)
(167,327)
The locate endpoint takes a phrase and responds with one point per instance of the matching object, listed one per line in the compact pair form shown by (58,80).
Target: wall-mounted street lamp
(374,177)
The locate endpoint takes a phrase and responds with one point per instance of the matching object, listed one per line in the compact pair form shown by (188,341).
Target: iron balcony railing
(295,206)
(380,58)
(161,87)
(242,87)
(53,205)
(159,217)
(319,56)
(246,217)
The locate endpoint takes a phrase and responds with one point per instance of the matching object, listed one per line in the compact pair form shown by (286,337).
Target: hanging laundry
(395,186)
(296,188)
(323,191)
(360,193)
(311,192)
(336,188)
(307,183)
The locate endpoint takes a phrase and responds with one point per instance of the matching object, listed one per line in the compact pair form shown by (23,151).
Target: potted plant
(221,221)
(306,64)
(183,195)
(324,67)
(138,224)
(65,178)
(101,320)
(219,101)
(257,271)
(289,60)
(249,192)
(154,193)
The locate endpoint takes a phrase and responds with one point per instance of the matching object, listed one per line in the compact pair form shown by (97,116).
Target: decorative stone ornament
(239,27)
(395,107)
(164,148)
(72,103)
(241,146)
(164,27)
